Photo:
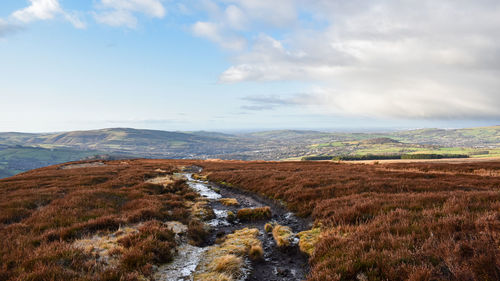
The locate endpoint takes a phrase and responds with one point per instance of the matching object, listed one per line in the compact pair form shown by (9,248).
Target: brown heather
(416,221)
(42,212)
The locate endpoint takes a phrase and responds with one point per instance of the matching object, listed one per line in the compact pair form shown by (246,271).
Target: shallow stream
(278,264)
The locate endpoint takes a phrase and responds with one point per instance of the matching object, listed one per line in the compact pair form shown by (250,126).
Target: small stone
(176,227)
(282,271)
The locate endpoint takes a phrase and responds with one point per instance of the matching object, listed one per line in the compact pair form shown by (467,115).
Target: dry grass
(282,235)
(46,214)
(268,227)
(256,252)
(413,221)
(229,201)
(106,248)
(308,240)
(202,210)
(227,257)
(231,217)
(200,177)
(253,214)
(228,264)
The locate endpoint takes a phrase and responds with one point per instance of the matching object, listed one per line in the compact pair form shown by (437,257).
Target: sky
(236,65)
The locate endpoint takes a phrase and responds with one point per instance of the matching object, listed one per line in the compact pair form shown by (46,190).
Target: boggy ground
(278,263)
(118,220)
(432,221)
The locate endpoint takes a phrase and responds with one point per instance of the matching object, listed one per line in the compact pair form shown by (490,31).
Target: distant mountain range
(24,151)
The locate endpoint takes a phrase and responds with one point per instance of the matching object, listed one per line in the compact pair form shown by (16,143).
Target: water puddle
(276,264)
(183,266)
(202,188)
(220,219)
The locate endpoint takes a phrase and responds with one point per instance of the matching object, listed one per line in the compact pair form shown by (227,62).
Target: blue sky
(248,64)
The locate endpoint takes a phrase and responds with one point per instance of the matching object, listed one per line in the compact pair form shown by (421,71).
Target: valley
(20,152)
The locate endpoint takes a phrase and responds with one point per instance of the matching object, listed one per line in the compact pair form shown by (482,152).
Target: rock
(282,271)
(176,227)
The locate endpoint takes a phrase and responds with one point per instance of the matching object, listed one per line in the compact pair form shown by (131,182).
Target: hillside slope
(267,145)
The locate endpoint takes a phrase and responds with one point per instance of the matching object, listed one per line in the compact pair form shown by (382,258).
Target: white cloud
(38,10)
(122,12)
(277,13)
(116,18)
(75,20)
(419,59)
(236,19)
(46,10)
(213,32)
(228,18)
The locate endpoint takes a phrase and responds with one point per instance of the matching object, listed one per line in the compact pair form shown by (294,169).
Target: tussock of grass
(253,214)
(282,235)
(229,201)
(268,227)
(229,264)
(227,258)
(200,177)
(202,210)
(231,217)
(308,240)
(256,252)
(165,180)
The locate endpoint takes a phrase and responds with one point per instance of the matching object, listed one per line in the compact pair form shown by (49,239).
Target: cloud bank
(401,59)
(372,58)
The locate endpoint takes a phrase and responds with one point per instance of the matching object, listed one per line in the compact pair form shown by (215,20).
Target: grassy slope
(360,148)
(49,149)
(468,136)
(123,138)
(273,145)
(18,159)
(477,142)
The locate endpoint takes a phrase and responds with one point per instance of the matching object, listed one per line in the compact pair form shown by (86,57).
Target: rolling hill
(23,151)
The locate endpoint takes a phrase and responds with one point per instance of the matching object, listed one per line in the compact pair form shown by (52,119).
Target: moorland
(113,220)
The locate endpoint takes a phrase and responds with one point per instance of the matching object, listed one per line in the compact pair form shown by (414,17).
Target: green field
(396,144)
(17,159)
(21,152)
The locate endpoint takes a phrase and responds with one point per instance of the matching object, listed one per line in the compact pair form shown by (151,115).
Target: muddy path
(278,264)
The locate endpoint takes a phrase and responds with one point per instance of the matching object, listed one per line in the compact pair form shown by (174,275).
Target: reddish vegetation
(416,221)
(43,211)
(387,222)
